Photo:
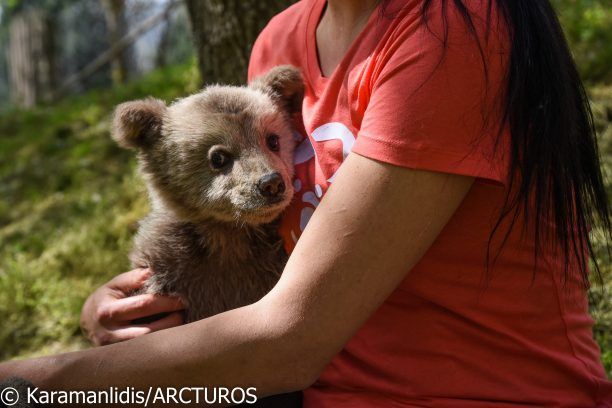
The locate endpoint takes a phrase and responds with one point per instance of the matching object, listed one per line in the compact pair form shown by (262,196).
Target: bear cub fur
(218,166)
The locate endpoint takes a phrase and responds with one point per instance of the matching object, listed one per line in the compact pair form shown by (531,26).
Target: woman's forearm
(242,347)
(371,228)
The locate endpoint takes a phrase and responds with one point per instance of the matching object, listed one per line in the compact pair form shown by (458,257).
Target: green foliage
(601,294)
(587,26)
(69,203)
(12,7)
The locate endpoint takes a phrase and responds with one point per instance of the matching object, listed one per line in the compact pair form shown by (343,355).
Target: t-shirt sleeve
(276,44)
(433,106)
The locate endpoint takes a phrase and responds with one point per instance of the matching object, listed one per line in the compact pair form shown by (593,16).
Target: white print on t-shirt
(305,152)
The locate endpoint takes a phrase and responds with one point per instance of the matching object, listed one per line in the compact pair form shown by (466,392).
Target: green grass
(70,200)
(69,203)
(601,294)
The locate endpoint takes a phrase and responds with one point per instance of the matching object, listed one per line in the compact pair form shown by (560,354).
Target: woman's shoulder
(282,39)
(446,25)
(289,16)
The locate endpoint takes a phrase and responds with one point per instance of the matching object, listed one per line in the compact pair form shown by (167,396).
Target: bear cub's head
(225,153)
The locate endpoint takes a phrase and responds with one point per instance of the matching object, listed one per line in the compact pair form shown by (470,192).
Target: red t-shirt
(452,334)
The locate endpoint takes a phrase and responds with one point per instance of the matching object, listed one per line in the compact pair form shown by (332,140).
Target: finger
(129,281)
(128,333)
(172,320)
(135,307)
(123,334)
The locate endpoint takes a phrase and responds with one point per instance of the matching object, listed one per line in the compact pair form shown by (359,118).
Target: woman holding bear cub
(446,264)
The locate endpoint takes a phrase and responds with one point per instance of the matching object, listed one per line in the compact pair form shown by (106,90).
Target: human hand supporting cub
(108,314)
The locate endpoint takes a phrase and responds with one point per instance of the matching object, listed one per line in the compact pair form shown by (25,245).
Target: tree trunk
(31,58)
(164,44)
(224,32)
(116,23)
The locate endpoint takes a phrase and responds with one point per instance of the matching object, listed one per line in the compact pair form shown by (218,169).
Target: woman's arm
(371,228)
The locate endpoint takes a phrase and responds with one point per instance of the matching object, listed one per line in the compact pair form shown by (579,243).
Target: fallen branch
(107,56)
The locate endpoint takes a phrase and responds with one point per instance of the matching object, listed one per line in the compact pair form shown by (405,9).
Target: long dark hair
(554,168)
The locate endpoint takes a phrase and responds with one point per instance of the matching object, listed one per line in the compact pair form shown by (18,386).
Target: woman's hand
(108,314)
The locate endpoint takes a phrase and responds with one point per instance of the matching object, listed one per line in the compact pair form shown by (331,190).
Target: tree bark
(116,23)
(164,44)
(224,32)
(31,58)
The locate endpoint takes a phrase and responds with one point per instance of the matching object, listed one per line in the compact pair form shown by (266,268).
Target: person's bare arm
(373,225)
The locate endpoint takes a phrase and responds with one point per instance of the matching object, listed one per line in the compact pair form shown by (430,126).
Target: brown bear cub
(218,167)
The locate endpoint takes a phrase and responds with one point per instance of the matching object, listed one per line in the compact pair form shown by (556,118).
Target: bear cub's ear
(137,124)
(285,85)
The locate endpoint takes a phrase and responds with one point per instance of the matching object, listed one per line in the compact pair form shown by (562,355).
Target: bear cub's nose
(271,185)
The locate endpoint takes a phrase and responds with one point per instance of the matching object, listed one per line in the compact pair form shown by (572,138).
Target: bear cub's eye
(219,159)
(273,142)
